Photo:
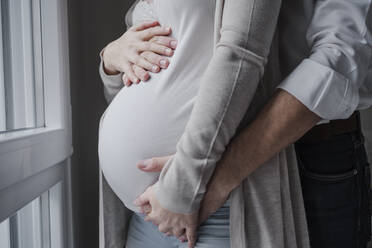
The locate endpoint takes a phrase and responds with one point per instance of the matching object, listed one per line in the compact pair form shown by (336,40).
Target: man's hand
(141,49)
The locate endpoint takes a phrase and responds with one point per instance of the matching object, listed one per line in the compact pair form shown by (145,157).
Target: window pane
(23,229)
(21,65)
(39,224)
(5,234)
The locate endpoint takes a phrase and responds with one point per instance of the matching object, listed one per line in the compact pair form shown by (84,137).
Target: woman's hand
(176,224)
(216,195)
(140,49)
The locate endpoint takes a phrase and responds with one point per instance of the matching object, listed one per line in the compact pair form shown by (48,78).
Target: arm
(281,122)
(343,57)
(340,42)
(226,91)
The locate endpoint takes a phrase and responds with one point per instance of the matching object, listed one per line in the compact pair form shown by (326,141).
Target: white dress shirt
(325,54)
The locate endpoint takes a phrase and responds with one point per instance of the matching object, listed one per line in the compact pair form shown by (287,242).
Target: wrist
(107,67)
(221,183)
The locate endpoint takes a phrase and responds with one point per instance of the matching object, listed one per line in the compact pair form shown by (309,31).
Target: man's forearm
(281,122)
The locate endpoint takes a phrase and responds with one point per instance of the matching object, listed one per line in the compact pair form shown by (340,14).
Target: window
(21,81)
(35,126)
(32,226)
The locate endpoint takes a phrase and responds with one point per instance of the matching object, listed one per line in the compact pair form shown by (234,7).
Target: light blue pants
(213,233)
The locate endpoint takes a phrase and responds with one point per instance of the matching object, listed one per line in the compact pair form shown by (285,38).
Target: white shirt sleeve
(328,81)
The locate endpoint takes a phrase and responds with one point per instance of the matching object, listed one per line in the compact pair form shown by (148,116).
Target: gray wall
(367,130)
(92,23)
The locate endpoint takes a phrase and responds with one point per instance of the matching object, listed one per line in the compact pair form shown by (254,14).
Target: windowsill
(28,152)
(31,134)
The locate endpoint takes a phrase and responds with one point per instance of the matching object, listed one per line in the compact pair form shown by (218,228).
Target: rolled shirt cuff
(322,90)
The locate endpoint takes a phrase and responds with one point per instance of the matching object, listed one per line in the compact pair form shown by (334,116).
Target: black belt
(325,131)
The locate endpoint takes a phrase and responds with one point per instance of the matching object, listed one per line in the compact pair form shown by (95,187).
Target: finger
(164,228)
(127,69)
(144,64)
(165,41)
(146,209)
(126,80)
(141,73)
(191,236)
(145,25)
(152,219)
(156,59)
(142,200)
(148,33)
(182,238)
(156,48)
(179,232)
(153,164)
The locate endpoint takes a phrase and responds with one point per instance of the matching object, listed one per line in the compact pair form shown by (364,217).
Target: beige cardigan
(267,208)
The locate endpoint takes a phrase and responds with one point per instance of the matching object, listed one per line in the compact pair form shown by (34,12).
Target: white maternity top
(148,119)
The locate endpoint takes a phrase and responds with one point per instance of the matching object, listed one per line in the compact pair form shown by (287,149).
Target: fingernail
(146,77)
(163,63)
(144,163)
(168,29)
(173,43)
(155,68)
(168,51)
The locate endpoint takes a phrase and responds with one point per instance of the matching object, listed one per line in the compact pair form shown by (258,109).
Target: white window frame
(33,160)
(2,88)
(23,73)
(26,152)
(5,234)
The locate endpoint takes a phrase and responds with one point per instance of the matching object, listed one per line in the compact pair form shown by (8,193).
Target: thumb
(153,164)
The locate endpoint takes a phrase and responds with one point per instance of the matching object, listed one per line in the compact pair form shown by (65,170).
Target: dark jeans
(335,180)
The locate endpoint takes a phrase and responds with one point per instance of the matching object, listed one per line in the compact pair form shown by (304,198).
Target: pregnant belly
(139,124)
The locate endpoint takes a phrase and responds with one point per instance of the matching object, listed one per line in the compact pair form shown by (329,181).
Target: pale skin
(281,122)
(141,49)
